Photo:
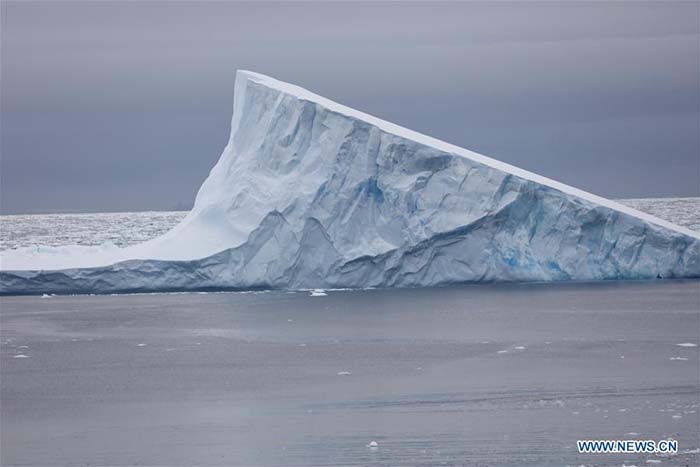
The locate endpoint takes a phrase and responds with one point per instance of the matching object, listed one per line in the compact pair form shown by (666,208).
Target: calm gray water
(128,228)
(473,375)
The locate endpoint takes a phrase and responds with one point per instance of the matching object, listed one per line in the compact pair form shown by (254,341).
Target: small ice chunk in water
(318,293)
(21,356)
(653,461)
(502,351)
(141,345)
(373,445)
(344,373)
(46,296)
(520,347)
(687,344)
(682,359)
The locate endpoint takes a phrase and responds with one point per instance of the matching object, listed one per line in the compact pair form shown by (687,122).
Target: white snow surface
(311,194)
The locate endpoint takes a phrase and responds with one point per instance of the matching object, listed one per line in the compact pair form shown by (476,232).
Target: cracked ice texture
(311,194)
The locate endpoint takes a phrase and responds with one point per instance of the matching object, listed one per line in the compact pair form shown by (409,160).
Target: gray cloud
(126,106)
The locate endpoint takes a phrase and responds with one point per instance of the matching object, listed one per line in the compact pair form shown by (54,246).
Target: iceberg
(310,194)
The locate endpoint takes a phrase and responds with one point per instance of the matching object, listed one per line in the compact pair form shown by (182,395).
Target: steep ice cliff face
(311,194)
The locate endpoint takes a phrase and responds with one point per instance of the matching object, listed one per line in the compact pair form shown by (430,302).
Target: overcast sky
(126,106)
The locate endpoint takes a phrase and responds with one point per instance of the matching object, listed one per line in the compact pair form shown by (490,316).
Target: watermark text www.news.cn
(627,446)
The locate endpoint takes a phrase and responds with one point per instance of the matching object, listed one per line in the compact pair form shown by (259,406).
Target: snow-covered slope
(312,194)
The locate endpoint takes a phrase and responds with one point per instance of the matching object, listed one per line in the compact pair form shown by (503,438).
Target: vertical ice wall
(309,193)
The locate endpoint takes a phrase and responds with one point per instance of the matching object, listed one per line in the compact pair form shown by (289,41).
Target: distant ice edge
(311,194)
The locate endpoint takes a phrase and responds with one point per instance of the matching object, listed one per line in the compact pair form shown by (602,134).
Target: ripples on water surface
(120,228)
(682,211)
(128,228)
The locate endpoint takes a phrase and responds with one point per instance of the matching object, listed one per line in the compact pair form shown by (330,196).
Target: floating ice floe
(318,293)
(373,444)
(683,359)
(311,194)
(343,373)
(687,344)
(21,356)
